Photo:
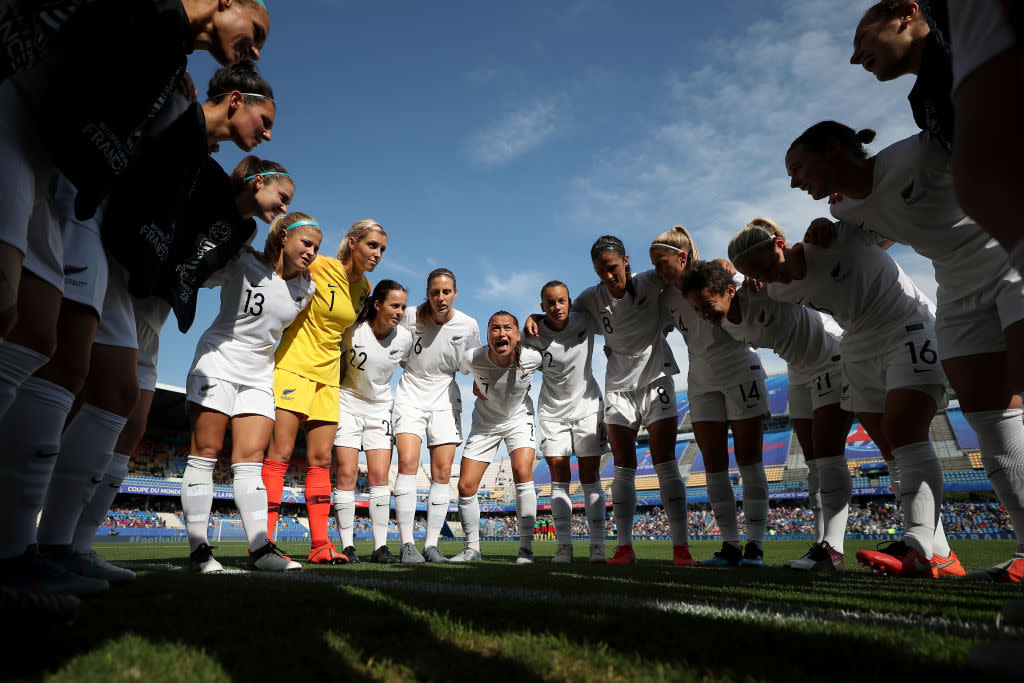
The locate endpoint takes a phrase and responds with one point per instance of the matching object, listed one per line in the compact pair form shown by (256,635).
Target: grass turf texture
(495,620)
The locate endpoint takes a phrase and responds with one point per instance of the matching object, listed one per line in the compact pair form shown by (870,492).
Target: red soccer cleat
(326,554)
(897,559)
(624,554)
(949,565)
(681,556)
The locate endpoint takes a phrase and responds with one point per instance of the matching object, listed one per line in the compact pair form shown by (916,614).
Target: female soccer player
(891,376)
(307,377)
(371,351)
(502,371)
(428,408)
(627,309)
(809,343)
(97,308)
(726,387)
(231,382)
(905,193)
(571,416)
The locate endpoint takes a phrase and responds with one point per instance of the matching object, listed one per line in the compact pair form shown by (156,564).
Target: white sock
(197,499)
(380,512)
(594,495)
(673,498)
(469,515)
(85,453)
(894,480)
(251,501)
(17,364)
(526,510)
(437,510)
(836,491)
(940,546)
(755,501)
(723,506)
(814,499)
(921,485)
(1001,438)
(96,510)
(624,503)
(345,512)
(561,511)
(30,434)
(405,505)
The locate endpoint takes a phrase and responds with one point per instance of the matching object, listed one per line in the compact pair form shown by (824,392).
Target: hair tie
(667,246)
(299,224)
(250,177)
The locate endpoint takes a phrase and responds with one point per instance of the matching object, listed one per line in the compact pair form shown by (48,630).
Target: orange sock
(318,503)
(273,478)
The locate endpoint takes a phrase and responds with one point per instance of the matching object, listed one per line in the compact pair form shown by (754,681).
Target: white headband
(667,246)
(244,94)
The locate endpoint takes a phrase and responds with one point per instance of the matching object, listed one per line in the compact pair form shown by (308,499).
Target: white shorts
(482,444)
(914,365)
(824,389)
(28,215)
(150,315)
(979,31)
(85,259)
(117,319)
(586,437)
(229,398)
(366,428)
(974,324)
(434,427)
(641,406)
(740,401)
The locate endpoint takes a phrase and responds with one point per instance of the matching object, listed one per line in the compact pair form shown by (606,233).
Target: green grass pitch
(498,621)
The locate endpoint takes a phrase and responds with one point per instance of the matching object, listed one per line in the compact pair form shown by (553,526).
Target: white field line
(780,616)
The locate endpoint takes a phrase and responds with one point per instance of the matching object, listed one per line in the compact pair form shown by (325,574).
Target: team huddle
(114,218)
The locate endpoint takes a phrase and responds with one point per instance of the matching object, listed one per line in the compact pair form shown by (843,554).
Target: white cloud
(515,134)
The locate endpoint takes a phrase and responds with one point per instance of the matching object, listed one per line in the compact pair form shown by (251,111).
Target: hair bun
(865,136)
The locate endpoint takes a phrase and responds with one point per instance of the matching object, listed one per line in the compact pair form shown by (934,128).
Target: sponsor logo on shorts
(458,338)
(358,346)
(916,327)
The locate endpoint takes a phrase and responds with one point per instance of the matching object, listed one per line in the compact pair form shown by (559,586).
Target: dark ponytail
(817,136)
(380,293)
(252,166)
(242,77)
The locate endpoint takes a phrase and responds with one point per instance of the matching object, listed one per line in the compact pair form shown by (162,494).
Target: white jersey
(807,340)
(507,388)
(569,390)
(255,307)
(370,363)
(428,377)
(632,328)
(913,202)
(867,293)
(716,358)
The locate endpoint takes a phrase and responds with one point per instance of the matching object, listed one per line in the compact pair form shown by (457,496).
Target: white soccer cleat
(563,555)
(525,556)
(202,561)
(96,567)
(467,555)
(598,554)
(269,558)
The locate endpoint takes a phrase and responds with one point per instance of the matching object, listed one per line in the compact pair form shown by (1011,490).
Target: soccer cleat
(350,553)
(822,557)
(202,561)
(624,554)
(326,553)
(949,565)
(753,556)
(408,554)
(805,558)
(1011,571)
(269,558)
(468,555)
(525,556)
(681,556)
(27,608)
(90,564)
(563,555)
(382,556)
(598,554)
(729,556)
(432,555)
(897,559)
(34,573)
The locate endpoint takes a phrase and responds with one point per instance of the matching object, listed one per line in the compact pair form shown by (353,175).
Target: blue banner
(965,436)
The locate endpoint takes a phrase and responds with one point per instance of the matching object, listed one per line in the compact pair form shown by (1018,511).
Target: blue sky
(500,140)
